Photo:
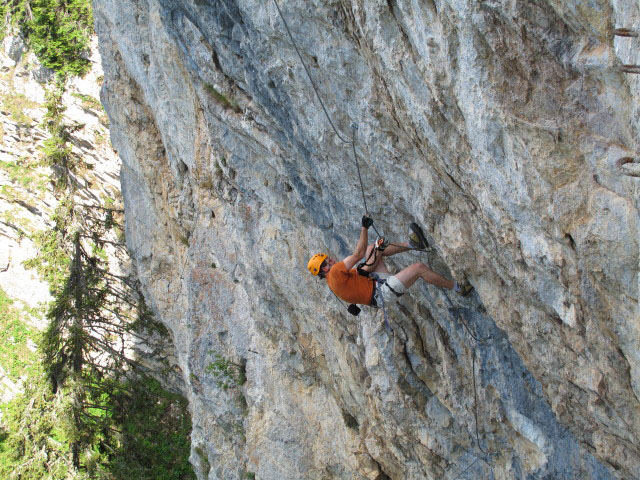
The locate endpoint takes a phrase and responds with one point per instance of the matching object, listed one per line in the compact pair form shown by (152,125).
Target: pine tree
(96,401)
(59,31)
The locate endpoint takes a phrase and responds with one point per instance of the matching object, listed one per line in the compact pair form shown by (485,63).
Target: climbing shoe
(463,288)
(417,239)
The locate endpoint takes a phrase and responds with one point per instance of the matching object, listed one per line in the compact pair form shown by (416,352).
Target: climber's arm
(360,250)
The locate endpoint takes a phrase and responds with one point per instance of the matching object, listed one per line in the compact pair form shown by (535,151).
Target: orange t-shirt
(349,285)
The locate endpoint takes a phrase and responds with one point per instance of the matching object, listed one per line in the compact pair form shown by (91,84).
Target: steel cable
(313,84)
(354,127)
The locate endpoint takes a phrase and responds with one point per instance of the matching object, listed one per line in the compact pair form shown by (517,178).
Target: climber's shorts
(389,287)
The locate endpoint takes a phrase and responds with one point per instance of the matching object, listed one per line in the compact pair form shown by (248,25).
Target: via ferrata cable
(354,126)
(313,84)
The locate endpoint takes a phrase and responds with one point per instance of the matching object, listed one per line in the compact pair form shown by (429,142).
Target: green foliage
(110,222)
(25,174)
(116,422)
(14,219)
(227,373)
(15,356)
(99,138)
(57,149)
(34,444)
(13,12)
(131,429)
(59,31)
(222,99)
(88,102)
(155,440)
(53,260)
(87,413)
(16,104)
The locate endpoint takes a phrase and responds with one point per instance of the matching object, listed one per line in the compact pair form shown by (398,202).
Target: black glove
(367,221)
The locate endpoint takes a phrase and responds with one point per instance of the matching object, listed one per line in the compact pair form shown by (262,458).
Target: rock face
(505,128)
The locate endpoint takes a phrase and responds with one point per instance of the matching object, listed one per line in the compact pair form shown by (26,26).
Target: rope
(354,126)
(477,341)
(473,373)
(355,156)
(475,400)
(473,335)
(313,84)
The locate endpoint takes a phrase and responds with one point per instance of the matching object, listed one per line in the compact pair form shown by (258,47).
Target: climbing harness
(378,297)
(378,282)
(353,309)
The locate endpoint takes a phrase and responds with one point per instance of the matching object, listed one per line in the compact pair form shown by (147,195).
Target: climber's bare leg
(376,260)
(409,275)
(396,248)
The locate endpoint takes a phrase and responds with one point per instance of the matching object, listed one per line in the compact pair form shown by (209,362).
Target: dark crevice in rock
(30,208)
(350,421)
(216,60)
(182,168)
(381,475)
(390,6)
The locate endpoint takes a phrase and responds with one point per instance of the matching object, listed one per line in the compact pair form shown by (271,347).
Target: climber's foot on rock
(417,239)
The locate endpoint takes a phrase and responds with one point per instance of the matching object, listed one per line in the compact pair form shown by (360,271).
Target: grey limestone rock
(42,74)
(14,47)
(499,126)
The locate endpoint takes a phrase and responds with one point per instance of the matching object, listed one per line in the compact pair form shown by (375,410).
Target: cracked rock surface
(506,129)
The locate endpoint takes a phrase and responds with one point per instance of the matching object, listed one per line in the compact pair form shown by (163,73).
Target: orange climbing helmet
(315,263)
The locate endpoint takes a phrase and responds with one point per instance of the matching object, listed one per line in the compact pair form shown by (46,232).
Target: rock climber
(371,280)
